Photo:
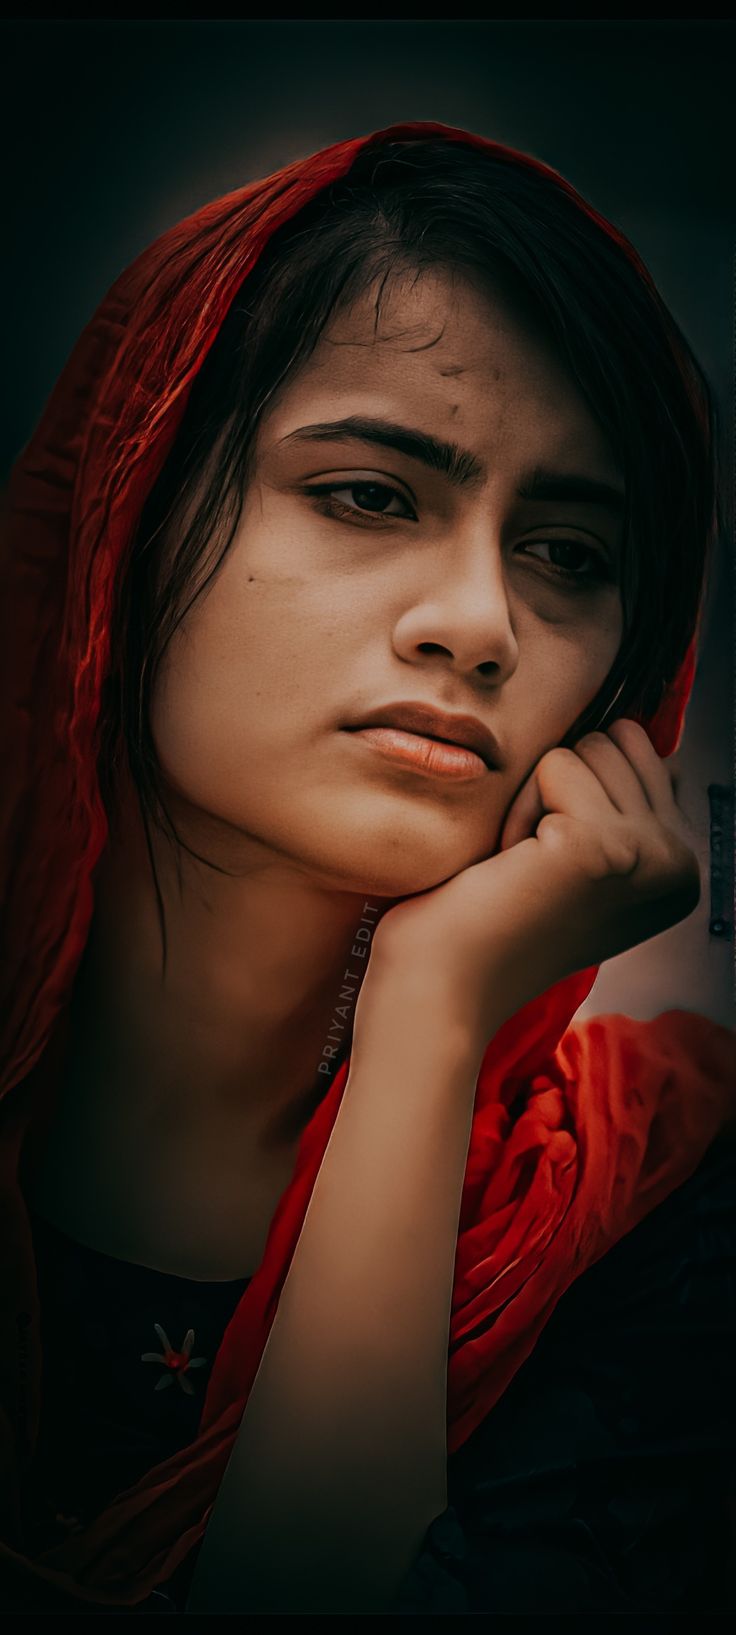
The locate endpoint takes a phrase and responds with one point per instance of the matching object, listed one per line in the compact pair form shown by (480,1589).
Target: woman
(402,432)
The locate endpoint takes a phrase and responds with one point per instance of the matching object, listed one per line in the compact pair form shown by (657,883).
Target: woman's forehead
(437,312)
(451,362)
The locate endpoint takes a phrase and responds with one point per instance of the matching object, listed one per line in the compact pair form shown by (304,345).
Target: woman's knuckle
(554,829)
(555,760)
(622,847)
(591,740)
(679,866)
(629,728)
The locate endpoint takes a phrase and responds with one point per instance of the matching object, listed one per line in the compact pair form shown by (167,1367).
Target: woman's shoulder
(602,1479)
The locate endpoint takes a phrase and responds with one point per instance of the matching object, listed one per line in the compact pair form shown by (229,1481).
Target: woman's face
(422,588)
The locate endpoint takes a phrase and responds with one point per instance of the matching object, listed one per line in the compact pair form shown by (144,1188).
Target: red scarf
(615,1114)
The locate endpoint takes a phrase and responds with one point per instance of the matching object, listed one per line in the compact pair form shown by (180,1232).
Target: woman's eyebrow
(463,468)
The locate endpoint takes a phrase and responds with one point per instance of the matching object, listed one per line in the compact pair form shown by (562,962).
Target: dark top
(600,1482)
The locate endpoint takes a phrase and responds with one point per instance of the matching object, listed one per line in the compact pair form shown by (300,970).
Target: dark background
(117,129)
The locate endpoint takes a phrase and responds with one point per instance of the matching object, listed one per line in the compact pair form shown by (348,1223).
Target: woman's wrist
(412,997)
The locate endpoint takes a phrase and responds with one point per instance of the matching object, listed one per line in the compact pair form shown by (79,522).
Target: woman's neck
(196,1086)
(264,967)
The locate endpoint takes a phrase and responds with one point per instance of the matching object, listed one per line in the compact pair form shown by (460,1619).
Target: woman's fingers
(609,761)
(523,815)
(619,768)
(560,782)
(654,774)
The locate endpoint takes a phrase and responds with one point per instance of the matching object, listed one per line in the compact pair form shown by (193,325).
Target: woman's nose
(464,610)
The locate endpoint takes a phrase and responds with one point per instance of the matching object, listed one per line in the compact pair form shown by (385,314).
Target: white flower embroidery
(176,1363)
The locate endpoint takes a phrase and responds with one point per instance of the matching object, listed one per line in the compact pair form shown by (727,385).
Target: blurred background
(118,129)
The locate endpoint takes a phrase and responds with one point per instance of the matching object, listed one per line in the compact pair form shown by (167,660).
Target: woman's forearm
(340,1460)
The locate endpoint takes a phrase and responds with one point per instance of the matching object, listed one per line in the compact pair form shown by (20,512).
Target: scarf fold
(579,1129)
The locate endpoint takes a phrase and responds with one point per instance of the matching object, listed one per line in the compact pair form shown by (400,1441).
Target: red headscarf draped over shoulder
(553,1178)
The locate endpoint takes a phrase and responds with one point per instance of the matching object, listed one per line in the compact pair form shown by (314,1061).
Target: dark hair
(425,204)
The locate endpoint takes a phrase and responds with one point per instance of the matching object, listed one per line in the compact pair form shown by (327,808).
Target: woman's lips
(433,756)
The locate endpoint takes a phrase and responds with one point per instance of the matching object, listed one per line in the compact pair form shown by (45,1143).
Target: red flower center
(177,1361)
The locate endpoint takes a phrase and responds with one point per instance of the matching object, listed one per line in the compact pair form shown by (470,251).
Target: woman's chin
(397,878)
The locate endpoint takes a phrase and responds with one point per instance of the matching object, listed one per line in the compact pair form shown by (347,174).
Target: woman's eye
(596,568)
(371,505)
(372,500)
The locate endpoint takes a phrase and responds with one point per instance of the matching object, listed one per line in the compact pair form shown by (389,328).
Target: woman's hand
(592,861)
